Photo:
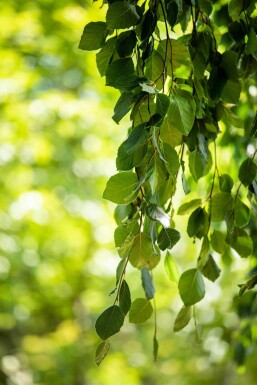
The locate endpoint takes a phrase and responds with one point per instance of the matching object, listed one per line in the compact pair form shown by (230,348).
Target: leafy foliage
(184,85)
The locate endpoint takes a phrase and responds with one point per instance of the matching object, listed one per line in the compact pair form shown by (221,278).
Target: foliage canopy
(186,72)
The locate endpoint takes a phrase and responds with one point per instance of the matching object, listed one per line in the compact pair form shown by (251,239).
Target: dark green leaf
(172,13)
(217,82)
(191,287)
(183,318)
(211,270)
(104,56)
(102,351)
(122,106)
(251,46)
(205,6)
(185,185)
(171,268)
(120,74)
(147,283)
(120,187)
(250,284)
(198,223)
(93,36)
(136,139)
(247,171)
(126,43)
(158,214)
(235,7)
(141,310)
(168,238)
(162,104)
(124,298)
(188,207)
(148,24)
(109,322)
(125,161)
(121,15)
(225,183)
(197,164)
(254,128)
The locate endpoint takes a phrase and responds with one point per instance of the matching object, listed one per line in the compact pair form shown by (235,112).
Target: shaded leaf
(198,223)
(124,298)
(168,238)
(211,270)
(247,171)
(142,254)
(141,310)
(147,283)
(121,15)
(93,36)
(109,322)
(181,113)
(158,214)
(183,318)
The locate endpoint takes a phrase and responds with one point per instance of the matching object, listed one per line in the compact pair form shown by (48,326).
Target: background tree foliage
(57,255)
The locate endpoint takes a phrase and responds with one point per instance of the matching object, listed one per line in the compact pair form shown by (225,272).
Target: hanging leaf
(120,74)
(155,348)
(93,36)
(109,322)
(168,238)
(147,283)
(191,287)
(221,203)
(171,268)
(124,298)
(141,310)
(126,43)
(182,111)
(102,351)
(120,186)
(121,15)
(183,318)
(218,241)
(171,157)
(122,106)
(247,171)
(142,254)
(103,57)
(241,214)
(198,223)
(188,207)
(211,270)
(225,183)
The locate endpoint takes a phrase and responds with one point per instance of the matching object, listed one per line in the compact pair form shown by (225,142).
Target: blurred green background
(57,257)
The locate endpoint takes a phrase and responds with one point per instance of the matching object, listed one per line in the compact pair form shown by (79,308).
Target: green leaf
(93,36)
(162,104)
(142,254)
(154,66)
(147,283)
(183,318)
(141,310)
(158,214)
(155,348)
(218,241)
(205,6)
(235,7)
(247,171)
(221,203)
(121,15)
(102,351)
(197,164)
(250,284)
(120,186)
(168,238)
(126,43)
(171,157)
(185,185)
(211,270)
(120,74)
(198,223)
(171,268)
(191,287)
(204,253)
(243,245)
(251,45)
(231,91)
(122,106)
(109,322)
(188,207)
(241,214)
(103,57)
(181,113)
(124,230)
(136,139)
(225,183)
(125,161)
(124,298)
(120,270)
(216,82)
